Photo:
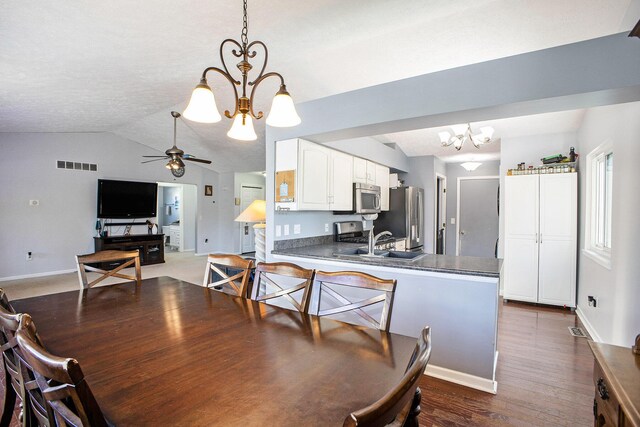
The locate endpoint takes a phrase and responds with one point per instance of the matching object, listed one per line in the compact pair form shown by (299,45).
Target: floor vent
(577,332)
(63,164)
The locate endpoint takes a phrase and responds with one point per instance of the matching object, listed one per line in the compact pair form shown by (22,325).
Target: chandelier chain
(245,39)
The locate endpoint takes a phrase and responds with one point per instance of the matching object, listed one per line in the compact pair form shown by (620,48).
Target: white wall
(63,225)
(189,206)
(616,319)
(528,149)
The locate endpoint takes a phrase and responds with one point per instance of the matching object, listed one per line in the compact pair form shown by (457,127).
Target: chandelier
(462,133)
(202,106)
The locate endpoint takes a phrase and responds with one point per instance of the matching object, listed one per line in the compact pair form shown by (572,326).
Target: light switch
(326,228)
(278,230)
(296,228)
(453,221)
(286,229)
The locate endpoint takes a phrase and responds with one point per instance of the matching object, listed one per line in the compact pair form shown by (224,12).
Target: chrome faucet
(374,238)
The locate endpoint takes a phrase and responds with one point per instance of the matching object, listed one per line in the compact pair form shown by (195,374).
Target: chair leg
(412,419)
(9,401)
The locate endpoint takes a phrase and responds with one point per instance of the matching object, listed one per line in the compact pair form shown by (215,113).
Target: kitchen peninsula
(456,296)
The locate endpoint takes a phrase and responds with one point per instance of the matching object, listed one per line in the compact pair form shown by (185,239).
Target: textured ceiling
(121,66)
(424,142)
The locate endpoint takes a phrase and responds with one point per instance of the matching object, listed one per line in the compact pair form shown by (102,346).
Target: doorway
(441,214)
(248,193)
(177,211)
(477,216)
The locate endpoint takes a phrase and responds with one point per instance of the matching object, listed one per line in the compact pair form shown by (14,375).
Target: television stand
(151,247)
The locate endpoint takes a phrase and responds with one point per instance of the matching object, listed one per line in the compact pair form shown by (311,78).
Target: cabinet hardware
(602,389)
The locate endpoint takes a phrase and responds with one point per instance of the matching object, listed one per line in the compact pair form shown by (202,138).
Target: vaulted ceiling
(122,66)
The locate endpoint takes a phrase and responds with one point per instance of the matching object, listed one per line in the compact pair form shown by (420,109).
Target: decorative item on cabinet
(285,186)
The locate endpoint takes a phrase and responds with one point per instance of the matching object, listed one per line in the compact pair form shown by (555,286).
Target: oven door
(367,200)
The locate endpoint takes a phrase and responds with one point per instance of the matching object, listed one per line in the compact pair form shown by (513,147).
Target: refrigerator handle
(420,216)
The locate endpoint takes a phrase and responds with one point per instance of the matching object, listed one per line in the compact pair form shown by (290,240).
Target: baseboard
(30,276)
(202,254)
(467,380)
(588,326)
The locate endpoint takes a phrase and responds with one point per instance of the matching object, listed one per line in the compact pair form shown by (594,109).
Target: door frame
(461,178)
(443,209)
(248,185)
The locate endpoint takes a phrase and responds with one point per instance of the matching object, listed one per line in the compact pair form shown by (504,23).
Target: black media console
(151,247)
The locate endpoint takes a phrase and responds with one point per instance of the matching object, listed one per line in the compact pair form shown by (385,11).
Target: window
(599,204)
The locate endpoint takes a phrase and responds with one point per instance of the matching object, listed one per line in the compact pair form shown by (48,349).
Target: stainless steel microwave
(366,198)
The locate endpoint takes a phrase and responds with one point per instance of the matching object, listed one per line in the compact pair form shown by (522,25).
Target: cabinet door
(371,173)
(521,206)
(340,181)
(382,180)
(359,170)
(521,269)
(287,160)
(313,172)
(558,239)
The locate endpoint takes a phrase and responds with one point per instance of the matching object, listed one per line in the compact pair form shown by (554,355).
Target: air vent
(63,164)
(577,332)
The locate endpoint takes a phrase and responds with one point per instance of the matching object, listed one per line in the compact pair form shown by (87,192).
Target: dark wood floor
(544,377)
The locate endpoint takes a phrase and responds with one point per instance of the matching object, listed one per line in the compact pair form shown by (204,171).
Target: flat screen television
(126,199)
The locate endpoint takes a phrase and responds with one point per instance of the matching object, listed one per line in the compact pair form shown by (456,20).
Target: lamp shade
(255,212)
(242,128)
(487,132)
(444,137)
(459,130)
(283,113)
(202,107)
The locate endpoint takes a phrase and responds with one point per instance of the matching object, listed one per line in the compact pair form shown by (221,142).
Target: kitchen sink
(364,253)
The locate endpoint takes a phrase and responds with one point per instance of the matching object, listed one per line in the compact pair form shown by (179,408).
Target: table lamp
(256,212)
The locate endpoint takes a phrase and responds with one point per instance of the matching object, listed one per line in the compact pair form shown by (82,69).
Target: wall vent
(63,164)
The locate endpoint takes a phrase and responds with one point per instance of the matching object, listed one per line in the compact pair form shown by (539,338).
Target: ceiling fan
(176,155)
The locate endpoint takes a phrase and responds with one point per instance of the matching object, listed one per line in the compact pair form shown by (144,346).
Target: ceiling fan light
(242,128)
(460,130)
(202,107)
(444,137)
(283,112)
(487,133)
(470,166)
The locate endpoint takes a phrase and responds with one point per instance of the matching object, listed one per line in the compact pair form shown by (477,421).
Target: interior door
(478,219)
(247,195)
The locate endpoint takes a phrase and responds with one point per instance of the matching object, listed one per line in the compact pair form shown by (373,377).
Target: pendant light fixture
(462,133)
(202,106)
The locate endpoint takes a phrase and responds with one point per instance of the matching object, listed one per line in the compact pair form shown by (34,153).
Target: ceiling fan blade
(193,159)
(164,157)
(154,160)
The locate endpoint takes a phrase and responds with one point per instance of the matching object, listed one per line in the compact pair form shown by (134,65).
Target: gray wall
(616,319)
(62,226)
(453,172)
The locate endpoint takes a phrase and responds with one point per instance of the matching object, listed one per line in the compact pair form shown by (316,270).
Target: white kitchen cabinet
(382,180)
(340,183)
(364,171)
(313,176)
(541,238)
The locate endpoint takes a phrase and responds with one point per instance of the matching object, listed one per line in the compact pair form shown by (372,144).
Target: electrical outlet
(34,202)
(326,228)
(278,230)
(453,221)
(286,229)
(296,228)
(29,256)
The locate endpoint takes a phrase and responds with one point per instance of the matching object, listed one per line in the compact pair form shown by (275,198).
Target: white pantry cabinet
(541,215)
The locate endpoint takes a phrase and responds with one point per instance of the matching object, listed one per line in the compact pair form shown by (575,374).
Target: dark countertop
(470,266)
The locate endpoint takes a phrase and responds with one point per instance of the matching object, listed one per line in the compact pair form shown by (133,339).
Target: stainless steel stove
(353,232)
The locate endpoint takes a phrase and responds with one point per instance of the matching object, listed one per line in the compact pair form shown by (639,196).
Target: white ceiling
(424,142)
(122,66)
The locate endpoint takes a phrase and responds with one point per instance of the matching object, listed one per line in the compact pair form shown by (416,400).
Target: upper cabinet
(311,176)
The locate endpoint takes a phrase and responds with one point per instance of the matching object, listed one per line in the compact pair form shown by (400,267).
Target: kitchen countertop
(470,266)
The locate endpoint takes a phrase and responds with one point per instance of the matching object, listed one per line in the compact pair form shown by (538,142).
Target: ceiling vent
(63,164)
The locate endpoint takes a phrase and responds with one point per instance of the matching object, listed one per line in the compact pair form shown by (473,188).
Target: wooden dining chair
(4,302)
(129,258)
(401,405)
(221,268)
(327,284)
(56,388)
(275,276)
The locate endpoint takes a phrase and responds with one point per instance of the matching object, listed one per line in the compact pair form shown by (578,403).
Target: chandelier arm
(235,53)
(233,82)
(253,54)
(255,85)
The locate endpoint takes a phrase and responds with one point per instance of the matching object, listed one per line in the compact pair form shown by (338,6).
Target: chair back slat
(234,284)
(323,282)
(56,384)
(401,402)
(271,275)
(129,258)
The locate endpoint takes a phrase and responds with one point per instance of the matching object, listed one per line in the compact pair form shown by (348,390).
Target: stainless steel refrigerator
(405,217)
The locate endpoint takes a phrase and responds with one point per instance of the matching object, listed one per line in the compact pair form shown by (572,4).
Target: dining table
(169,352)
